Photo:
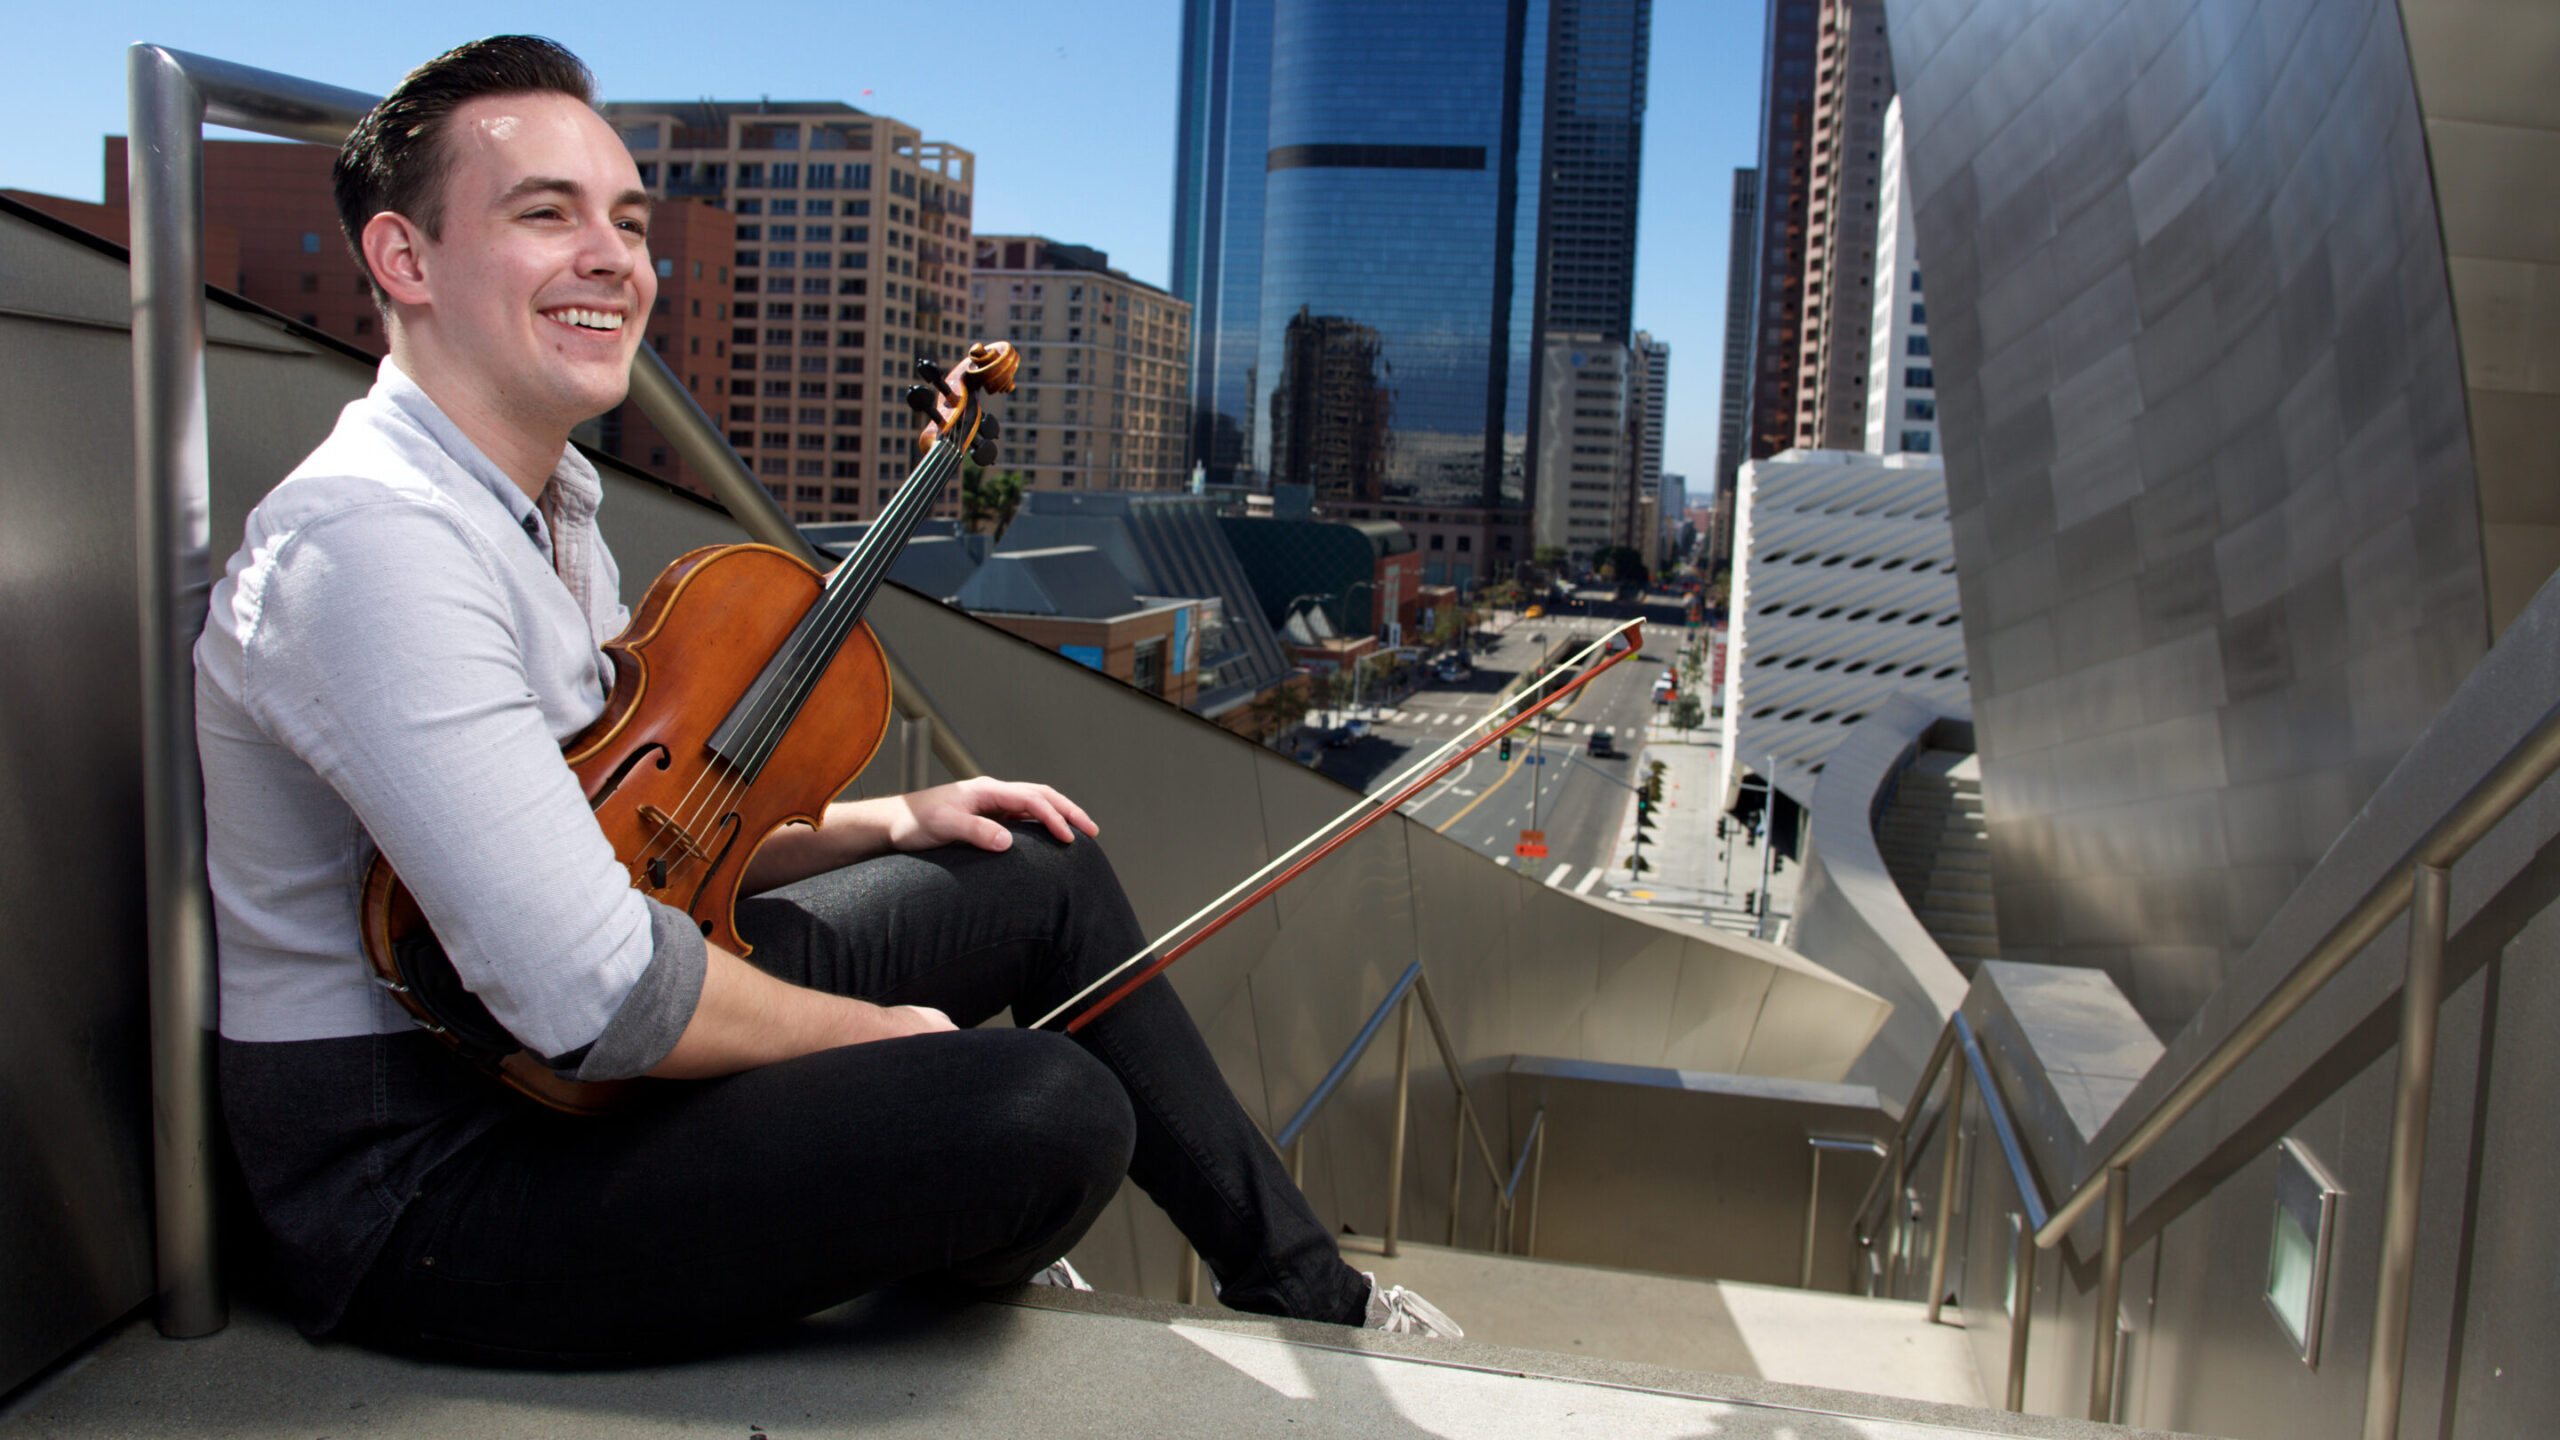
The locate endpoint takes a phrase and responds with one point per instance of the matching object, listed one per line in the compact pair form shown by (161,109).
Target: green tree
(1623,563)
(1686,712)
(1278,710)
(988,501)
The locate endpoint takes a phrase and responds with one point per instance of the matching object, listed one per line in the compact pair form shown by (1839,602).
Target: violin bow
(1620,644)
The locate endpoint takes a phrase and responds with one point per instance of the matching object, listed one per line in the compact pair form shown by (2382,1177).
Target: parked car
(1665,689)
(1603,744)
(1450,671)
(1350,734)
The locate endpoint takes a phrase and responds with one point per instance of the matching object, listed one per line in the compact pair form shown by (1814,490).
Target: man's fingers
(988,834)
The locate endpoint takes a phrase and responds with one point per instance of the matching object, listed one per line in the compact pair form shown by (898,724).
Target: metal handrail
(1411,988)
(2421,883)
(1957,1038)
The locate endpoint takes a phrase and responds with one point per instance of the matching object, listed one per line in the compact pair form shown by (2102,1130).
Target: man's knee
(1065,1107)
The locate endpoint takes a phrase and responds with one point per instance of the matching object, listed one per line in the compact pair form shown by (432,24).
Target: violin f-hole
(623,771)
(728,823)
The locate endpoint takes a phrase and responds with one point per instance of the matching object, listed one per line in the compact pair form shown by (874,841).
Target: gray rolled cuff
(660,1005)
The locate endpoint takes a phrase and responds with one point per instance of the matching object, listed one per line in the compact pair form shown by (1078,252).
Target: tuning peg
(929,372)
(920,398)
(988,427)
(983,449)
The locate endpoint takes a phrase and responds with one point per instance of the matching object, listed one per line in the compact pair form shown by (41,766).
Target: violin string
(819,648)
(671,833)
(772,714)
(1205,912)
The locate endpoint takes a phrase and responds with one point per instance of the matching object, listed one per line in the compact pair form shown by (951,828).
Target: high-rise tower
(1776,311)
(1443,227)
(1853,81)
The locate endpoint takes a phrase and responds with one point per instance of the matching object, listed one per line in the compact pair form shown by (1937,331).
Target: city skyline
(1103,71)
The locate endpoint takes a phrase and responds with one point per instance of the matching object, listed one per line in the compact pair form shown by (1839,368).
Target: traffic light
(1504,753)
(1724,828)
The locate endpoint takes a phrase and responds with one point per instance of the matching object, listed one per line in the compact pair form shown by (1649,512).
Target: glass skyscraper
(1359,186)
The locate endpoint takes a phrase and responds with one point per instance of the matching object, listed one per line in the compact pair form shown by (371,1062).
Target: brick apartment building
(292,256)
(1105,382)
(852,259)
(694,245)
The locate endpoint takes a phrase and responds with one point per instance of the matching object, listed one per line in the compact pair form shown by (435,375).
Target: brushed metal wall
(2203,1352)
(75,1225)
(2216,517)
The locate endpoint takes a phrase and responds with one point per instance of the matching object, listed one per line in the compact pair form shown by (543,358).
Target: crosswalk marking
(1441,719)
(1556,880)
(1588,881)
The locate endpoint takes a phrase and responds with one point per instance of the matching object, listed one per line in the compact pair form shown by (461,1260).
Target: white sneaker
(1062,1275)
(1401,1312)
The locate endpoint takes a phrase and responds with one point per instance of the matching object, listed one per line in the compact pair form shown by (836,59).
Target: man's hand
(973,811)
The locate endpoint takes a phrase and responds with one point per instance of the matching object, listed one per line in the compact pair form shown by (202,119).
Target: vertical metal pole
(1537,1175)
(173,494)
(2430,899)
(1898,1215)
(1298,1161)
(1812,1211)
(1395,1141)
(2102,1361)
(915,753)
(2020,1321)
(1457,1165)
(1949,1130)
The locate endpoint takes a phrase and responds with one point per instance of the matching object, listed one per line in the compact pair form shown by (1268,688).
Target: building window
(1915,442)
(1920,377)
(310,242)
(1147,672)
(1464,543)
(1916,345)
(1919,407)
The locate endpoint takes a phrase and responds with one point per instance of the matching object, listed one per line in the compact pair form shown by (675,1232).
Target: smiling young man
(409,630)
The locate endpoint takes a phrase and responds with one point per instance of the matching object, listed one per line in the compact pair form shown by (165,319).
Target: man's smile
(581,318)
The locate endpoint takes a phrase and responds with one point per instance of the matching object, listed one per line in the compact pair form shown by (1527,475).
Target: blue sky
(1069,108)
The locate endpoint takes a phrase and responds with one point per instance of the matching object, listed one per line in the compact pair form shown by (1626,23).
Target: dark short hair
(396,158)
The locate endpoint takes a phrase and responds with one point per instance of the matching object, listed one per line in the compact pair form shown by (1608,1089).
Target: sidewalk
(1691,868)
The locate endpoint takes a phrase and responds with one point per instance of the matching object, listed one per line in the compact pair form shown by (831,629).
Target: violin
(747,694)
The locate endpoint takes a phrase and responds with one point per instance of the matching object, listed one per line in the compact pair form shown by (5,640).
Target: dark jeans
(974,1158)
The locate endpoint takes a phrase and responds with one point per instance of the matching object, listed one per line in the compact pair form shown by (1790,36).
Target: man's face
(541,284)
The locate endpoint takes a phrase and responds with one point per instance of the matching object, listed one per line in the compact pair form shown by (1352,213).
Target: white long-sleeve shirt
(392,659)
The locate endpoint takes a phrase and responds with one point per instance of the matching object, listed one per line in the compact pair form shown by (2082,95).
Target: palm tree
(988,501)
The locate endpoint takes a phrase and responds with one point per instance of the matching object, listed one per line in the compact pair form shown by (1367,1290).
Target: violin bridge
(664,826)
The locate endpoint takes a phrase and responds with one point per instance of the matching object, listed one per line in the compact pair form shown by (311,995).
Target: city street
(1552,782)
(1583,803)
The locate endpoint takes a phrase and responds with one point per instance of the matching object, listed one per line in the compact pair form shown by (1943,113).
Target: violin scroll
(948,399)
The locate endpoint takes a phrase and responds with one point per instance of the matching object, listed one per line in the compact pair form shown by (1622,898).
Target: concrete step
(1967,947)
(1039,1363)
(1963,882)
(1967,860)
(1964,840)
(1811,1337)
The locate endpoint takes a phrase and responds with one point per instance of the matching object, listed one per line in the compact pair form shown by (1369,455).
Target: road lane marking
(1556,880)
(1588,881)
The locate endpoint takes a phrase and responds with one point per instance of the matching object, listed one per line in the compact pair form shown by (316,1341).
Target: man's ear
(395,250)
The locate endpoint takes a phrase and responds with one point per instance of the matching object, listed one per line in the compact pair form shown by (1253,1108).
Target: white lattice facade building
(1844,594)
